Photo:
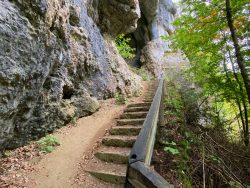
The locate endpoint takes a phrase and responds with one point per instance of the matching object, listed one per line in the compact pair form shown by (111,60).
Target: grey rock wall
(156,21)
(118,16)
(54,65)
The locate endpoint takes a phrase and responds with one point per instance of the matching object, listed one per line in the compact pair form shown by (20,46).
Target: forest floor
(27,167)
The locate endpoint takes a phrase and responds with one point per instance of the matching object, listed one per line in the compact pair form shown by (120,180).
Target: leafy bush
(120,99)
(47,143)
(122,44)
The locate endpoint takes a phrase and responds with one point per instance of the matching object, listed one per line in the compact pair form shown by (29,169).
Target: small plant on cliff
(142,72)
(122,44)
(73,121)
(47,144)
(120,99)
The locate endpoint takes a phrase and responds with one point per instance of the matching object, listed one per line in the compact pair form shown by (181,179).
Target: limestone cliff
(57,58)
(55,64)
(156,21)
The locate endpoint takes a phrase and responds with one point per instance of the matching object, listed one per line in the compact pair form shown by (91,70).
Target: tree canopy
(214,36)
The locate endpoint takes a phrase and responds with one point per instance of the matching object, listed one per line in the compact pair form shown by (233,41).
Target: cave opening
(139,39)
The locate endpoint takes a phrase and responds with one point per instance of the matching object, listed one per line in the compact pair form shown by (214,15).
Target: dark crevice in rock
(139,39)
(67,92)
(74,16)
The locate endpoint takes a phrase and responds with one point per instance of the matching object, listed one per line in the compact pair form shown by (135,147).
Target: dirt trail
(59,168)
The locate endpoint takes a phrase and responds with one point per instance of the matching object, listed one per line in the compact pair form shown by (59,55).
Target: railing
(139,173)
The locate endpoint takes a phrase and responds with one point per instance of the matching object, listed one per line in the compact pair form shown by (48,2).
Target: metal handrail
(138,172)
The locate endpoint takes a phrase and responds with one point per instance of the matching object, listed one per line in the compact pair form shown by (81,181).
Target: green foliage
(173,102)
(206,45)
(184,157)
(172,143)
(204,37)
(166,38)
(7,153)
(73,120)
(122,44)
(214,158)
(180,148)
(142,72)
(171,150)
(235,184)
(120,99)
(190,140)
(47,144)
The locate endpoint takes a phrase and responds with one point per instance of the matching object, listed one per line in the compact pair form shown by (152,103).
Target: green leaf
(171,150)
(47,143)
(122,44)
(163,37)
(120,99)
(170,143)
(48,149)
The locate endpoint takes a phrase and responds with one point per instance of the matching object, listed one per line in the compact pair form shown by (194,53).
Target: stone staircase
(110,161)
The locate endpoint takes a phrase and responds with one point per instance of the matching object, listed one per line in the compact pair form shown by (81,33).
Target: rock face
(115,22)
(55,63)
(155,21)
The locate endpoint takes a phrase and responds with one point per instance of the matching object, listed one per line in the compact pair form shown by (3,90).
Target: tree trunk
(239,57)
(239,99)
(244,121)
(246,126)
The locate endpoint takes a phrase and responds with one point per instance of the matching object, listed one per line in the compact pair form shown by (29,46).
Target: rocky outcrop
(118,16)
(156,21)
(152,56)
(55,64)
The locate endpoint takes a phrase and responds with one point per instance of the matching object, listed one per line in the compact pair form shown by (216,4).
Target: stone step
(152,90)
(128,130)
(137,109)
(149,96)
(113,154)
(107,172)
(148,100)
(135,122)
(133,115)
(119,141)
(138,104)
